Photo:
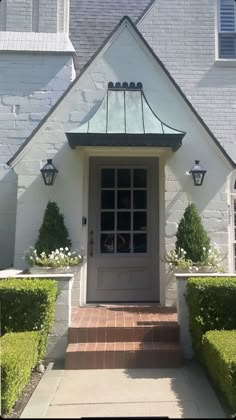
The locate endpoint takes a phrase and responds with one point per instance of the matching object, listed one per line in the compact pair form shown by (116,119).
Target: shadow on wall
(48,74)
(213,78)
(8,197)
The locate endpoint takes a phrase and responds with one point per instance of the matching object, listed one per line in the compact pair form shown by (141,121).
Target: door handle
(91,242)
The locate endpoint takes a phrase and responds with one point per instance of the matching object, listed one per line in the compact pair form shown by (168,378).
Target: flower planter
(37,269)
(203,269)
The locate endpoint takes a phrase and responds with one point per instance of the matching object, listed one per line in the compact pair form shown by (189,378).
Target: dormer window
(227,29)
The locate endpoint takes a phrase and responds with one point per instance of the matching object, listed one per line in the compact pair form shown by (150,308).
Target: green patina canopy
(125,118)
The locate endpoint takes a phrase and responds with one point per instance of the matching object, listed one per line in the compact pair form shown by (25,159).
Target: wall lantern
(198,173)
(49,173)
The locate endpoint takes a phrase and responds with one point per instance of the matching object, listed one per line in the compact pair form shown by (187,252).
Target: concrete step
(146,332)
(123,355)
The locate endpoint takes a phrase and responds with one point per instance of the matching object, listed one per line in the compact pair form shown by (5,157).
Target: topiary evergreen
(191,235)
(53,233)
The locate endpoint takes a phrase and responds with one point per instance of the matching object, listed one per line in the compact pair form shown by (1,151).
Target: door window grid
(116,236)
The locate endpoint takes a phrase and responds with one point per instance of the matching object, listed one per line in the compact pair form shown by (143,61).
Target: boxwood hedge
(19,355)
(212,306)
(28,305)
(219,350)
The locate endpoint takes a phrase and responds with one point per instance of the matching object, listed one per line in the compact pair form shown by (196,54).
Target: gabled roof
(91,21)
(126,20)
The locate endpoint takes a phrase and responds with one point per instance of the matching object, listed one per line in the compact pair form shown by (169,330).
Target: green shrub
(191,236)
(219,352)
(212,306)
(53,233)
(28,305)
(19,355)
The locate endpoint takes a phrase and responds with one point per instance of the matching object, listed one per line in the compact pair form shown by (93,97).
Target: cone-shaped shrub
(191,235)
(53,233)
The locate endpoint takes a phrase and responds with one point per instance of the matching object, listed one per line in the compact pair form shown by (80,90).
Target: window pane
(140,220)
(140,199)
(140,242)
(107,220)
(107,243)
(123,220)
(108,178)
(123,243)
(108,200)
(124,199)
(140,178)
(123,178)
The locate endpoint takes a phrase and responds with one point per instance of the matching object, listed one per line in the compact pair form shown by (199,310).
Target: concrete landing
(176,393)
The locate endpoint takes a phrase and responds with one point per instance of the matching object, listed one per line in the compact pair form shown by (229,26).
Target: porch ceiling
(125,118)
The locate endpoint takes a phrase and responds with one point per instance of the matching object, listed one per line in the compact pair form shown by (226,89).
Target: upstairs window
(227,28)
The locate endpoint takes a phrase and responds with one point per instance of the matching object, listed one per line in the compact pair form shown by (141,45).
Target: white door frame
(162,154)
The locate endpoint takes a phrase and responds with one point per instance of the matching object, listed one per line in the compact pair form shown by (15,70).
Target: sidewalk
(175,393)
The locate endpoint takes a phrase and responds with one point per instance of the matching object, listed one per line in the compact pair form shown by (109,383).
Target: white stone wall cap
(181,275)
(35,42)
(9,272)
(5,274)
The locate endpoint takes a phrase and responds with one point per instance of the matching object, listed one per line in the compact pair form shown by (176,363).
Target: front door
(123,238)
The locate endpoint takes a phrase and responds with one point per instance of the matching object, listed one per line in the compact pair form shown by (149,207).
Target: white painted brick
(182,34)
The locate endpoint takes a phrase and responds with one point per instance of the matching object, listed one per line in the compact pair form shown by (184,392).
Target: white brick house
(184,54)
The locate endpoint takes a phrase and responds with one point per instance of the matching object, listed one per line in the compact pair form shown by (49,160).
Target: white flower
(66,248)
(56,258)
(69,254)
(204,248)
(57,251)
(61,249)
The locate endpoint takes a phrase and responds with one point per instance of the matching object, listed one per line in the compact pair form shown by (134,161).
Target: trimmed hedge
(19,355)
(212,306)
(28,305)
(219,351)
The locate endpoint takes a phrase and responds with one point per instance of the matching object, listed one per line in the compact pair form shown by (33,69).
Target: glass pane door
(123,211)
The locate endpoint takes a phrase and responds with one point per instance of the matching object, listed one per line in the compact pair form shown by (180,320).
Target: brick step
(123,355)
(146,333)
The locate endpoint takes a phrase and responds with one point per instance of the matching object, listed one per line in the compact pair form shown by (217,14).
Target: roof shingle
(91,21)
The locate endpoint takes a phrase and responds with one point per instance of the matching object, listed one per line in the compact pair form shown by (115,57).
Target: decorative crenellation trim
(125,86)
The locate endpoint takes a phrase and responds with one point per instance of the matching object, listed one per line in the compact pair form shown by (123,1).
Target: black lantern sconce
(49,173)
(198,173)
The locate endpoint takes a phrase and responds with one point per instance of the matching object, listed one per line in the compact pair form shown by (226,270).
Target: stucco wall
(82,102)
(183,33)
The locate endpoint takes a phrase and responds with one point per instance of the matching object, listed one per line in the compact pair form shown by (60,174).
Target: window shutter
(227,15)
(227,38)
